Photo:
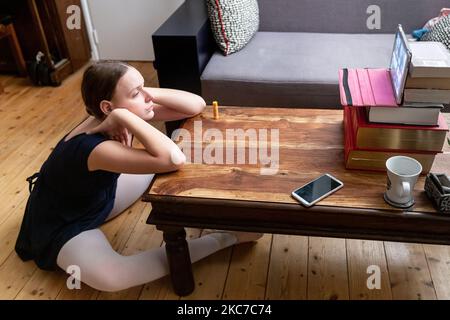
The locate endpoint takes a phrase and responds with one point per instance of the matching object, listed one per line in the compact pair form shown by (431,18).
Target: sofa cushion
(346,16)
(233,23)
(291,69)
(439,32)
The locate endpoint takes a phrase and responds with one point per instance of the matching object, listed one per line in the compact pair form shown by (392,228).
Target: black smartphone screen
(317,188)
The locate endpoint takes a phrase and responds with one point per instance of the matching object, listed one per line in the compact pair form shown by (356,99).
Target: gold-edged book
(366,159)
(382,136)
(376,160)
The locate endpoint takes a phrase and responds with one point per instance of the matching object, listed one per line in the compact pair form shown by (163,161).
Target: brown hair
(99,83)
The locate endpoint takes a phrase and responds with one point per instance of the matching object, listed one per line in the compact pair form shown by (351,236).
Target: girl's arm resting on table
(171,104)
(160,154)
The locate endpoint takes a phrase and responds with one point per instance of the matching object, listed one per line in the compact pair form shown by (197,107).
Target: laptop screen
(400,60)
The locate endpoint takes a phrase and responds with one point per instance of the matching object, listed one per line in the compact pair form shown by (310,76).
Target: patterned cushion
(233,22)
(439,32)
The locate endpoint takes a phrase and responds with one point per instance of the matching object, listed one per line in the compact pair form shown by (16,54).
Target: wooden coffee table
(237,197)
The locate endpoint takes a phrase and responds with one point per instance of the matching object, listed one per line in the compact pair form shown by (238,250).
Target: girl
(93,174)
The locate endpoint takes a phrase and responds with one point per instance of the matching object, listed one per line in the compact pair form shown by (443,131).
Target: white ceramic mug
(402,175)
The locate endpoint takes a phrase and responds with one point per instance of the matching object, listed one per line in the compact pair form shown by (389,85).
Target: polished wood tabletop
(310,144)
(214,191)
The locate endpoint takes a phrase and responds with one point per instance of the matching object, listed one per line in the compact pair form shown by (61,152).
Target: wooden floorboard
(327,269)
(408,272)
(365,259)
(288,268)
(33,119)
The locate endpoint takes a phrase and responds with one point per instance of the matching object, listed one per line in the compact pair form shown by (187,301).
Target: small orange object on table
(215,110)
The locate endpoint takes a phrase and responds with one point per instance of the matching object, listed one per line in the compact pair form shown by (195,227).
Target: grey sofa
(294,58)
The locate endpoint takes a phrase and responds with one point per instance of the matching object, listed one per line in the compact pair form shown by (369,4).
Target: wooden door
(76,39)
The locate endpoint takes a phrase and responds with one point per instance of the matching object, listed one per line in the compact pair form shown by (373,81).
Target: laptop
(365,87)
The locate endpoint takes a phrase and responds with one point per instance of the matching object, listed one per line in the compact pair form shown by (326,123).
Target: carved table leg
(179,260)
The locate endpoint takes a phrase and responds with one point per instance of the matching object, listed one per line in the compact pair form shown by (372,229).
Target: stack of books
(368,145)
(426,90)
(429,74)
(396,111)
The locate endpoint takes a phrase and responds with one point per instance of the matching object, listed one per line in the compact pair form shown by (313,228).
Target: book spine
(428,83)
(407,116)
(429,72)
(427,95)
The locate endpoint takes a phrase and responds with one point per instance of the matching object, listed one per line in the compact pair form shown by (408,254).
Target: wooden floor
(33,119)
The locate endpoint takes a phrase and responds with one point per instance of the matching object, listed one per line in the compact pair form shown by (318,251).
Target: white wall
(123,28)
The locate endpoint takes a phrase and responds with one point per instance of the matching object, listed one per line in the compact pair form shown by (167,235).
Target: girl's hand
(113,129)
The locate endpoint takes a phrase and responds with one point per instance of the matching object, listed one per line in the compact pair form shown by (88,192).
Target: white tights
(104,269)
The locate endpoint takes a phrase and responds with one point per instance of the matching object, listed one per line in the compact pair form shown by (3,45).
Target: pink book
(366,88)
(378,87)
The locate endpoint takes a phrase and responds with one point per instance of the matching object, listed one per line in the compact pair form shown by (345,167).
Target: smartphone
(317,189)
